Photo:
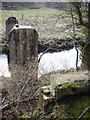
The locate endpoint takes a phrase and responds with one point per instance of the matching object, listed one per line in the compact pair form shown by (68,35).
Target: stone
(72,88)
(23,44)
(45,97)
(11,21)
(46,90)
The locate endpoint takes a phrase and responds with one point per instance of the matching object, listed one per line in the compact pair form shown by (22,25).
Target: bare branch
(83,113)
(73,26)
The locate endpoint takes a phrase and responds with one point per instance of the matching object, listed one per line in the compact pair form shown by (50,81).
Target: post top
(11,18)
(16,26)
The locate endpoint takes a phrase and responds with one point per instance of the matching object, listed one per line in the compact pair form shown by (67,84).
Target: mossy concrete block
(72,88)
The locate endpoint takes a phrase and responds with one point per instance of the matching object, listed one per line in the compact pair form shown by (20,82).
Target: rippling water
(49,62)
(58,60)
(4,70)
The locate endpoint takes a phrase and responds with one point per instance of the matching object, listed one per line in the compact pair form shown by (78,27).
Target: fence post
(22,16)
(23,44)
(11,21)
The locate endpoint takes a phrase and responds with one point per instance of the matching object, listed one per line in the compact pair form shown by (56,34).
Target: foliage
(70,108)
(70,84)
(25,115)
(33,115)
(84,31)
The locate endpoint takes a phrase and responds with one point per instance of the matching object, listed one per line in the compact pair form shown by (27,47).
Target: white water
(49,62)
(58,60)
(4,70)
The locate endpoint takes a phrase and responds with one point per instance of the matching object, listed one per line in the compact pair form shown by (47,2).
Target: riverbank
(21,92)
(71,106)
(71,94)
(54,28)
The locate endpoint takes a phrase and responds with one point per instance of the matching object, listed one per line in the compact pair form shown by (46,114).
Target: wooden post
(23,44)
(22,16)
(11,21)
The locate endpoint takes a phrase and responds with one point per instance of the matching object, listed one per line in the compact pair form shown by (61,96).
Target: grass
(76,105)
(42,12)
(71,107)
(31,13)
(46,21)
(49,23)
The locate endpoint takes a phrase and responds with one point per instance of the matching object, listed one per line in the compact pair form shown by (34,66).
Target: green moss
(74,106)
(71,84)
(78,105)
(27,116)
(24,116)
(85,31)
(10,32)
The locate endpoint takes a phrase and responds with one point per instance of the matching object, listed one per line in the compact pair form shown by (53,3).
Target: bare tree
(86,23)
(74,39)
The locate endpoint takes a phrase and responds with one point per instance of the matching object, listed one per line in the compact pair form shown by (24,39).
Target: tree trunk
(86,57)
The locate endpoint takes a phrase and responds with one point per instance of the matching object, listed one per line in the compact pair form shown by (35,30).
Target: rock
(72,88)
(44,97)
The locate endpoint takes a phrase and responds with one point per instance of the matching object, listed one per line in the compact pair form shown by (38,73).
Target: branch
(74,36)
(83,113)
(21,91)
(50,47)
(79,13)
(8,106)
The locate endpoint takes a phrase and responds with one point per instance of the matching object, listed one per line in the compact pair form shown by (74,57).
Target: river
(48,63)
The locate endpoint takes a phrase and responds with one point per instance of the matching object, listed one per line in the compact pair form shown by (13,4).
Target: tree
(86,23)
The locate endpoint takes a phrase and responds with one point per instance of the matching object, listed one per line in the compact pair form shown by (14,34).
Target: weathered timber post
(23,54)
(23,45)
(11,21)
(22,16)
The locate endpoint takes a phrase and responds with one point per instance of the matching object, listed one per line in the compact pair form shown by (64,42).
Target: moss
(78,105)
(70,84)
(24,116)
(33,115)
(71,88)
(74,106)
(10,32)
(67,88)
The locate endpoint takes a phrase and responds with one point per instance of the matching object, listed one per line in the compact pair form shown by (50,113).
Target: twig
(21,91)
(8,106)
(83,113)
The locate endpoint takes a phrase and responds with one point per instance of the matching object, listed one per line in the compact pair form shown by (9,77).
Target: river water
(4,70)
(58,60)
(48,63)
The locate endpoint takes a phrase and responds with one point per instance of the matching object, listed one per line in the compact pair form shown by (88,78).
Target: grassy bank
(70,108)
(51,24)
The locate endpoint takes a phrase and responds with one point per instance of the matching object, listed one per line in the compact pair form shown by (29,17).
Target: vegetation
(21,93)
(51,24)
(70,108)
(84,20)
